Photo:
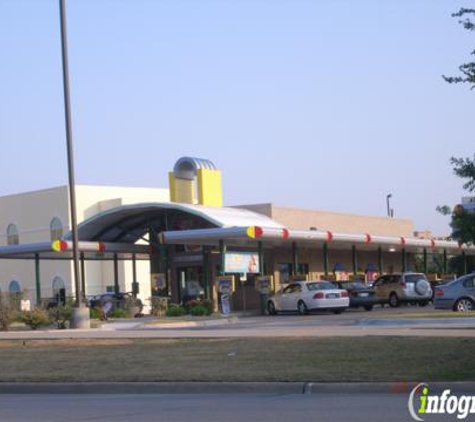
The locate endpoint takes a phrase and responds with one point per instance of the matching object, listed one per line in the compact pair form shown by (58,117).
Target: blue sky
(317,104)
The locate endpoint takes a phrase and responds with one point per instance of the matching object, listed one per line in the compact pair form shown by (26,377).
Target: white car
(305,296)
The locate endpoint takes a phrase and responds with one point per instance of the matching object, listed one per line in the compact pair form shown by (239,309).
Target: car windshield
(355,285)
(414,278)
(320,286)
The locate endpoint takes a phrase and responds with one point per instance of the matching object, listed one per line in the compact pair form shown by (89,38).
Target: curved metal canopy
(129,223)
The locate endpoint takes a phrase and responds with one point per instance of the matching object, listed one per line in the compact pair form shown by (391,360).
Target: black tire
(302,308)
(393,300)
(338,311)
(464,304)
(271,308)
(368,308)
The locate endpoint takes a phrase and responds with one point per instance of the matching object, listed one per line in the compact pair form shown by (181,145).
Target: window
(384,280)
(320,286)
(293,288)
(395,279)
(284,270)
(15,294)
(13,238)
(302,268)
(58,284)
(469,282)
(59,290)
(56,229)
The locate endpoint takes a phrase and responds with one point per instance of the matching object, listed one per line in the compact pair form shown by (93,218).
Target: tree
(466,69)
(463,218)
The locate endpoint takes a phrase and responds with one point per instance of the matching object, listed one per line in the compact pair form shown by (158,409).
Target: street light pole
(388,196)
(80,319)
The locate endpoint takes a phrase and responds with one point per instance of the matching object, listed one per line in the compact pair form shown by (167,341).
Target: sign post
(264,285)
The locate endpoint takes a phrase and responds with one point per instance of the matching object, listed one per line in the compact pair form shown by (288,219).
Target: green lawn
(287,359)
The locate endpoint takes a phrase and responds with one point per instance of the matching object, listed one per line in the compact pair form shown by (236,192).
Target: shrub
(175,310)
(206,303)
(9,310)
(209,305)
(199,310)
(35,318)
(94,313)
(159,305)
(119,313)
(191,304)
(61,315)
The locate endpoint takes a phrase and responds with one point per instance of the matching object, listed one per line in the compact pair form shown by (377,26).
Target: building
(181,247)
(35,218)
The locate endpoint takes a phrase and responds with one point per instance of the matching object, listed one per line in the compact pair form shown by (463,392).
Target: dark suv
(403,287)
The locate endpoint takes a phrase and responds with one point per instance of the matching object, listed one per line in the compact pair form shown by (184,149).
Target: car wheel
(302,307)
(271,308)
(464,305)
(423,303)
(368,308)
(393,300)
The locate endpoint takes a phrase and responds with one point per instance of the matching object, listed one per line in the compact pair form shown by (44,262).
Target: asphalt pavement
(208,408)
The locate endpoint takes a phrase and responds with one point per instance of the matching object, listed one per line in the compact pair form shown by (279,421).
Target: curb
(229,388)
(186,324)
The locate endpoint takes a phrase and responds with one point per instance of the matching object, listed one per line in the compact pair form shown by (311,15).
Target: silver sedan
(458,295)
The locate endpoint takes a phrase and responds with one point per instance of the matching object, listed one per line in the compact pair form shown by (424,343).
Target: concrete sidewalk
(230,388)
(224,332)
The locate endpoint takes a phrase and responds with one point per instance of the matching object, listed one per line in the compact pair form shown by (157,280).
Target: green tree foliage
(467,70)
(463,221)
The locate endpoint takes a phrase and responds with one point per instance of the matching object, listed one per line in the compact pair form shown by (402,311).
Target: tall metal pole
(69,141)
(388,206)
(354,259)
(295,259)
(380,261)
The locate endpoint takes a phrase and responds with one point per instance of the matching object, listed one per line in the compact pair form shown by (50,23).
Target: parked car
(361,295)
(118,300)
(306,296)
(458,295)
(404,287)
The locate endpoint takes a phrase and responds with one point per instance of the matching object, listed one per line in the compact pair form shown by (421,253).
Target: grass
(299,359)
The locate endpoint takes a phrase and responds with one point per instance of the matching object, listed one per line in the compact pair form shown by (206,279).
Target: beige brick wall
(302,219)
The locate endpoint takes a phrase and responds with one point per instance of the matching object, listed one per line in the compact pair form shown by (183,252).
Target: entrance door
(190,283)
